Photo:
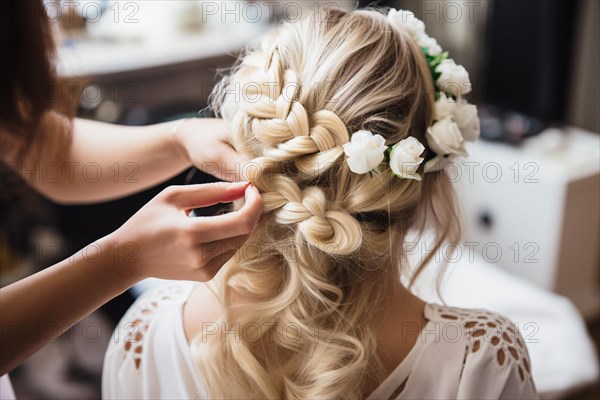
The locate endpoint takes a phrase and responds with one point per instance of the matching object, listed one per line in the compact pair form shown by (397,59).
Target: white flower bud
(405,160)
(365,151)
(445,139)
(454,79)
(429,43)
(406,20)
(466,118)
(443,107)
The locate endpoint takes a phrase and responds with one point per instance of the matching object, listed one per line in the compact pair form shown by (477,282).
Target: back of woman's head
(331,242)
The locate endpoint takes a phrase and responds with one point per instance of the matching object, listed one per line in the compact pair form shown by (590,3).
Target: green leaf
(387,153)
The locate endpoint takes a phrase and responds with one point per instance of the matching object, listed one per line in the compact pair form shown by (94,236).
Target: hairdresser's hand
(162,241)
(206,144)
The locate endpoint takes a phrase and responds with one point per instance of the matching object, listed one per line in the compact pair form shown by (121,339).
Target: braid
(322,225)
(280,121)
(311,272)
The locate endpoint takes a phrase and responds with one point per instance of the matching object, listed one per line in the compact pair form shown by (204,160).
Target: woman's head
(293,102)
(330,240)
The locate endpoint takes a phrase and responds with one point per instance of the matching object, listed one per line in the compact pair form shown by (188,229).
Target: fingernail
(251,187)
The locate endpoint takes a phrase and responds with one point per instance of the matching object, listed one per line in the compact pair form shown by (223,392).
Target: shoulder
(492,350)
(132,332)
(157,300)
(202,308)
(147,353)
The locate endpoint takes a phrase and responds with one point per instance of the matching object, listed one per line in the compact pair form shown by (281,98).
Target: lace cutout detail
(399,389)
(502,334)
(137,320)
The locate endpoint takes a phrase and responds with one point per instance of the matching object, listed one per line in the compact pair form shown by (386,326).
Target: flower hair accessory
(405,160)
(455,121)
(366,152)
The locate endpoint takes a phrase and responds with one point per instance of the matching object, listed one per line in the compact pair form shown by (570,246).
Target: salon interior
(530,189)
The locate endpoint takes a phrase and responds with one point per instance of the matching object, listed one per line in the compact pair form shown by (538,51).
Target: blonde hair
(330,241)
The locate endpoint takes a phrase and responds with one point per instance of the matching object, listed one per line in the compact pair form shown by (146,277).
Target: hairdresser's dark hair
(28,78)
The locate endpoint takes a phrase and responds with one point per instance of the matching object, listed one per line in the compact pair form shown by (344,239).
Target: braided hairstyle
(299,295)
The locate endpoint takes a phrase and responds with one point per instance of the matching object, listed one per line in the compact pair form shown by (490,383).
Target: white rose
(429,43)
(445,139)
(466,118)
(365,151)
(407,21)
(443,107)
(405,160)
(454,79)
(437,163)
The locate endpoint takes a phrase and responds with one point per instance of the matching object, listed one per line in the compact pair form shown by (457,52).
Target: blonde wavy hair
(299,295)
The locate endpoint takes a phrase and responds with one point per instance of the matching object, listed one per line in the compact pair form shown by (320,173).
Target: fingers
(216,255)
(219,158)
(214,249)
(237,223)
(231,170)
(212,268)
(197,196)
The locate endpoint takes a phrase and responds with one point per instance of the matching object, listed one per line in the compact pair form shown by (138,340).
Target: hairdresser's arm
(159,241)
(102,161)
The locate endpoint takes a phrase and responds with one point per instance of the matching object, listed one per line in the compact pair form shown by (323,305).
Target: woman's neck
(397,323)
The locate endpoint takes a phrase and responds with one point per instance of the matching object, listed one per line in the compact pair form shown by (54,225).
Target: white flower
(466,118)
(443,107)
(437,163)
(454,78)
(405,160)
(365,151)
(429,43)
(445,139)
(406,20)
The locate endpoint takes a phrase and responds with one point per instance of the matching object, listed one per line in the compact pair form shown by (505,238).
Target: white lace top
(462,353)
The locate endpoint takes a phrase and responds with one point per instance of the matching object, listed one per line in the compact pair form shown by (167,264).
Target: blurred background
(531,189)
